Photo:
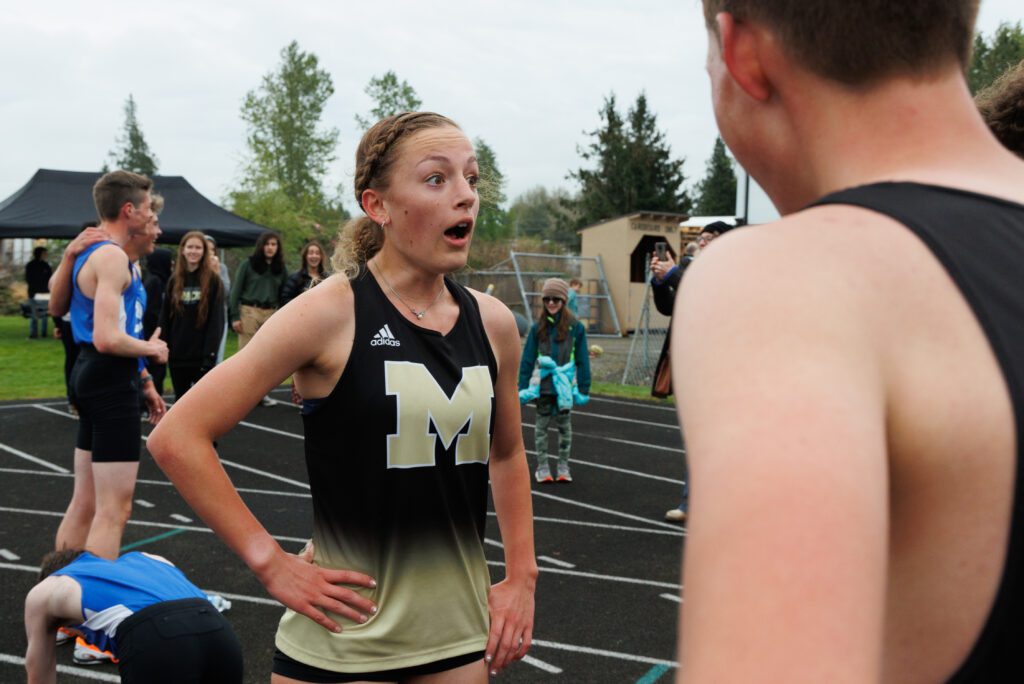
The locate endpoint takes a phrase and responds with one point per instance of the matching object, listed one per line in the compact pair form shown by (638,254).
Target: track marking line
(602,509)
(637,421)
(34,459)
(653,675)
(625,471)
(44,407)
(143,523)
(601,652)
(555,561)
(264,473)
(605,526)
(33,404)
(144,503)
(150,540)
(541,665)
(671,597)
(181,518)
(643,404)
(9,555)
(65,669)
(608,578)
(159,483)
(275,431)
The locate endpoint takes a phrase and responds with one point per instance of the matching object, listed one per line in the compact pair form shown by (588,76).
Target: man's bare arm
(112,277)
(61,281)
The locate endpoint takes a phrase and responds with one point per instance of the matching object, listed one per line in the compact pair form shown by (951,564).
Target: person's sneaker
(563,473)
(64,635)
(543,475)
(87,654)
(675,515)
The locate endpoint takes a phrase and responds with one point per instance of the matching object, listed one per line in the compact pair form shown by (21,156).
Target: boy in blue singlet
(107,299)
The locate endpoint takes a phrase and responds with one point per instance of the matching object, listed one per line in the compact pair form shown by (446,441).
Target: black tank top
(979,240)
(397,457)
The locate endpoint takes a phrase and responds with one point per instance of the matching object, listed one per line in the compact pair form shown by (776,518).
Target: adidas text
(379,341)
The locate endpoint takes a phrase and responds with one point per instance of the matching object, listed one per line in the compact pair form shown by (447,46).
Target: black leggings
(175,642)
(183,376)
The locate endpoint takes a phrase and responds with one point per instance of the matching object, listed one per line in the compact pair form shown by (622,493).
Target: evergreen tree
(289,152)
(633,168)
(492,222)
(716,193)
(391,97)
(132,153)
(991,58)
(545,215)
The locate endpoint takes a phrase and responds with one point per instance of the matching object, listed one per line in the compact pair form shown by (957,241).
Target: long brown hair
(322,268)
(565,321)
(361,238)
(208,280)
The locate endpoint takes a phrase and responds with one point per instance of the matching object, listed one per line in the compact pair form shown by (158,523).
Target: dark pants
(183,376)
(67,338)
(178,641)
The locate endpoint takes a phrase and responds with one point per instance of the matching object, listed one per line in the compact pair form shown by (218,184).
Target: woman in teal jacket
(558,342)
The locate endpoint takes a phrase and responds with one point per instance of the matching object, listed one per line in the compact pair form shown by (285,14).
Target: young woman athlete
(411,407)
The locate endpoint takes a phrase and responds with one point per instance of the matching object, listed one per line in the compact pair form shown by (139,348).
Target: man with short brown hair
(854,436)
(107,300)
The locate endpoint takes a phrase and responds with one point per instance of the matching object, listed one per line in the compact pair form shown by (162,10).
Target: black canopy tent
(55,204)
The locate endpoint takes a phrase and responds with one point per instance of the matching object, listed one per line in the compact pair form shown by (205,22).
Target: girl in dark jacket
(311,273)
(192,316)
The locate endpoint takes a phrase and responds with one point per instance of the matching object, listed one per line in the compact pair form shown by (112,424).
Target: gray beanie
(556,287)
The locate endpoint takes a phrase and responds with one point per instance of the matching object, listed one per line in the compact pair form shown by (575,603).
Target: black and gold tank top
(397,457)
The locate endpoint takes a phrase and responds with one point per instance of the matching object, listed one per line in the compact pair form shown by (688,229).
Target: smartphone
(661,250)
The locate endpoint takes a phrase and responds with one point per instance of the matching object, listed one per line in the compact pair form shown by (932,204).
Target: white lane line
(39,461)
(671,597)
(280,478)
(626,471)
(44,407)
(607,578)
(9,555)
(681,532)
(605,416)
(635,404)
(555,561)
(144,503)
(160,483)
(245,599)
(254,426)
(601,652)
(142,523)
(493,543)
(180,518)
(541,665)
(609,511)
(33,404)
(65,669)
(15,566)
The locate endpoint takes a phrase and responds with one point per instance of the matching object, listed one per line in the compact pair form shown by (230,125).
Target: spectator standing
(37,276)
(575,285)
(312,271)
(256,291)
(559,342)
(192,316)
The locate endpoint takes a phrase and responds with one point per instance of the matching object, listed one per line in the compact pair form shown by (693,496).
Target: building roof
(55,204)
(643,214)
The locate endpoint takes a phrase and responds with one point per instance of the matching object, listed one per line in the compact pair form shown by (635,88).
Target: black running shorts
(105,390)
(289,667)
(178,641)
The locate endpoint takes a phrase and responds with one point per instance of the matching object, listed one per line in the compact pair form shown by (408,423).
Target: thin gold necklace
(418,314)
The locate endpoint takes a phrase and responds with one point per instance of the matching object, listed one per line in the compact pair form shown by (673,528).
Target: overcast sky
(527,76)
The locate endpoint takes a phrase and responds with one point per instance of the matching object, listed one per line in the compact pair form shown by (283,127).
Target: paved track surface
(608,594)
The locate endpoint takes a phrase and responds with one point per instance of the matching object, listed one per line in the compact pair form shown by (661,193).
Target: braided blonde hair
(361,238)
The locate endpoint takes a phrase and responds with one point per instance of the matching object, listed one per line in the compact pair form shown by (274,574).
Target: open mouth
(459,231)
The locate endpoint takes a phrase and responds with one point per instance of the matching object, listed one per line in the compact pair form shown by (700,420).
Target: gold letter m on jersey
(421,401)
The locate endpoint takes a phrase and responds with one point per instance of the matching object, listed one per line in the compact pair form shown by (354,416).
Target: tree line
(626,163)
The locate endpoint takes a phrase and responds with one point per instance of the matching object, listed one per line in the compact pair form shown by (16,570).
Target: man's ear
(373,205)
(742,44)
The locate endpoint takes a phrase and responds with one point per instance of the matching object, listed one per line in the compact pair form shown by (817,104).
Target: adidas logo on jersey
(384,338)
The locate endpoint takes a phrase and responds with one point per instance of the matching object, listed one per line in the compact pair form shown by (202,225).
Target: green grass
(34,369)
(610,389)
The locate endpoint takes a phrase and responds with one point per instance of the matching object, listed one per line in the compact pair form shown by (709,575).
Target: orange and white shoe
(87,654)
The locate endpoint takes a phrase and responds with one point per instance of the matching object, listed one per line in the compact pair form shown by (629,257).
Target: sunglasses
(548,300)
